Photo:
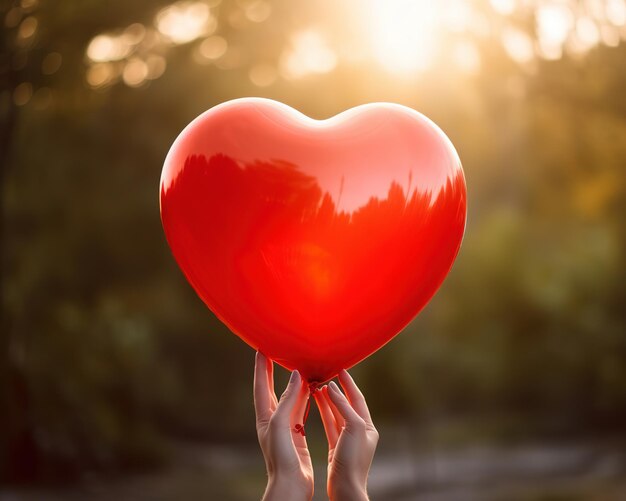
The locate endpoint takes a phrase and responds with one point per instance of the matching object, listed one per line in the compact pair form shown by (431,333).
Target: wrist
(348,491)
(281,488)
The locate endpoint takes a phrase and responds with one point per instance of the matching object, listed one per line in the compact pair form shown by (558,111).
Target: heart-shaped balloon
(315,242)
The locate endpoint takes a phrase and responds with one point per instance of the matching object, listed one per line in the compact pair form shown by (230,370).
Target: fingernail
(295,375)
(333,385)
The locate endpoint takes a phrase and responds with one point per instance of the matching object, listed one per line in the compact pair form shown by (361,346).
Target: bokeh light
(27,29)
(505,7)
(518,45)
(184,22)
(134,34)
(308,53)
(156,66)
(405,38)
(12,17)
(135,72)
(22,93)
(554,24)
(213,47)
(616,12)
(51,63)
(258,11)
(100,74)
(263,74)
(107,48)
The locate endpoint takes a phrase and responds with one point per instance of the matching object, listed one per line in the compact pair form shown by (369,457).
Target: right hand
(352,438)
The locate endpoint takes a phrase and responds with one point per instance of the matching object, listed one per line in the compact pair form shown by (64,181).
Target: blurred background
(117,383)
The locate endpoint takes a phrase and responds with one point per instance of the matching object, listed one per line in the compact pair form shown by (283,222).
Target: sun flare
(404,33)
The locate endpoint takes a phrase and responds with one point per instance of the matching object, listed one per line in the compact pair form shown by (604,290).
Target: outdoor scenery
(116,382)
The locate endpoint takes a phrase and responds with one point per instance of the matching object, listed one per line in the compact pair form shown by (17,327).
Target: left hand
(287,458)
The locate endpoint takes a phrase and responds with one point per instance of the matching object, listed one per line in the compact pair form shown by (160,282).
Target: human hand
(352,438)
(287,458)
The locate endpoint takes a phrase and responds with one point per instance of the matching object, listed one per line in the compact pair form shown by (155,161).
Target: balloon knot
(299,428)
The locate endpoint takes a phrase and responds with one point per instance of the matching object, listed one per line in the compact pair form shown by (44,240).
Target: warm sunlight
(403,38)
(404,33)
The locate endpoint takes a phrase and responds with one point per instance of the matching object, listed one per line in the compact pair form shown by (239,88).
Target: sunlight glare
(458,15)
(616,12)
(504,7)
(405,33)
(554,24)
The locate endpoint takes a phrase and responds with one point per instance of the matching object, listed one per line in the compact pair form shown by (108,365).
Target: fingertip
(334,393)
(346,379)
(263,360)
(295,377)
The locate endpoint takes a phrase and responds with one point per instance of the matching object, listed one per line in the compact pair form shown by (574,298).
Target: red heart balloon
(315,242)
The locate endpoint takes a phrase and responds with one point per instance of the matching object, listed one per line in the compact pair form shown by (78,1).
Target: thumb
(287,400)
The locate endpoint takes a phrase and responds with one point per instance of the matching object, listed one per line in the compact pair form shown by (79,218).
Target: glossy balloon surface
(316,242)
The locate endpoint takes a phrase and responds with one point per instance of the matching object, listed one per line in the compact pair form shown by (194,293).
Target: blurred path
(572,471)
(525,472)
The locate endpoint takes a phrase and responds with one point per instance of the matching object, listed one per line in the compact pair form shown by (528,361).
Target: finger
(328,420)
(340,422)
(355,397)
(299,409)
(270,383)
(261,390)
(344,407)
(297,415)
(287,401)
